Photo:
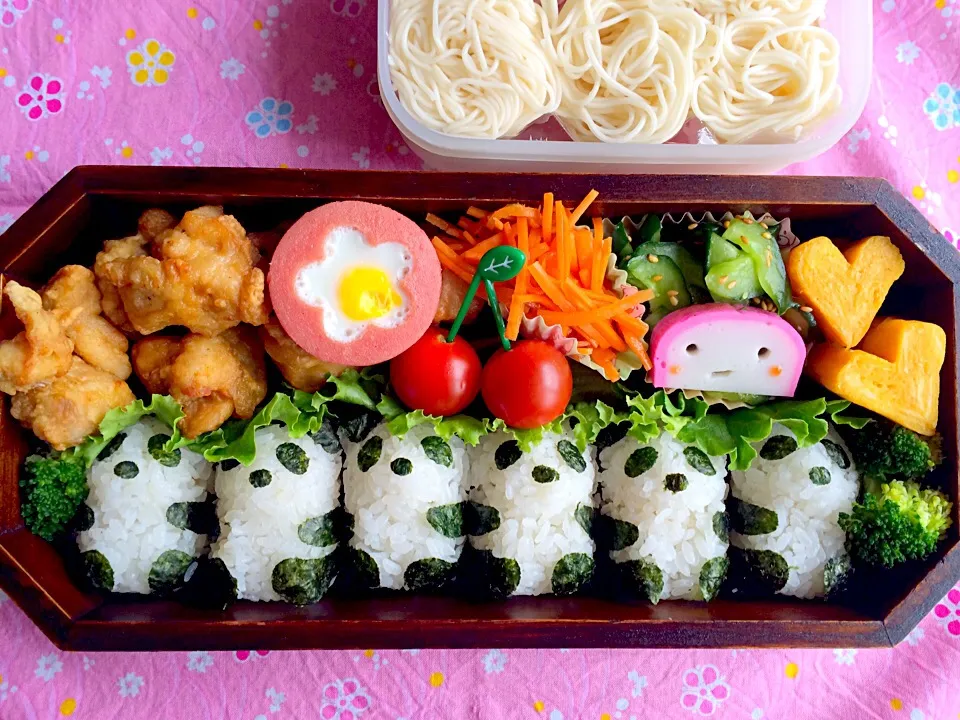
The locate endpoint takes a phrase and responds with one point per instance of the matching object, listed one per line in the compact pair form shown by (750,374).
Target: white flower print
(855,137)
(276,699)
(4,173)
(890,132)
(231,69)
(6,220)
(6,689)
(375,657)
(103,74)
(845,656)
(917,714)
(3,596)
(413,652)
(130,685)
(915,636)
(347,8)
(88,662)
(324,83)
(889,6)
(494,661)
(199,661)
(194,147)
(309,127)
(47,665)
(158,155)
(907,52)
(362,158)
(639,683)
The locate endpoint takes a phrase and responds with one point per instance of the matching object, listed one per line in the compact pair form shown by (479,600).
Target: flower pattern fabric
(293,83)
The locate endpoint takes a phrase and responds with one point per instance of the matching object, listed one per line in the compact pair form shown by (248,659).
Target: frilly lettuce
(163,407)
(585,418)
(732,432)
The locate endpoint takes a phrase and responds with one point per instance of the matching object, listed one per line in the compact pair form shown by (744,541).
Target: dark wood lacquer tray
(92,204)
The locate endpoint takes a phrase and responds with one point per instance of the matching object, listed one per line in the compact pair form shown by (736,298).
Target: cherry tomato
(528,386)
(435,376)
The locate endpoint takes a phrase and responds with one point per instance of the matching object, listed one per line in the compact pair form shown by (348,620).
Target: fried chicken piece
(37,354)
(298,367)
(213,378)
(200,274)
(154,222)
(68,409)
(453,290)
(116,251)
(72,296)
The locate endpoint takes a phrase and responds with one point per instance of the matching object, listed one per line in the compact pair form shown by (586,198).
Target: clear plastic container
(851,21)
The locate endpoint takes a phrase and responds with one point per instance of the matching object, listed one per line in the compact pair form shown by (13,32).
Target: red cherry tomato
(435,376)
(528,386)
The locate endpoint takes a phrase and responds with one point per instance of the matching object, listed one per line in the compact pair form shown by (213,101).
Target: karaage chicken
(66,410)
(201,274)
(116,251)
(298,367)
(72,296)
(213,378)
(37,354)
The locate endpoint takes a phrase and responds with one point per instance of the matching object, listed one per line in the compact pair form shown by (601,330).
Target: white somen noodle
(475,68)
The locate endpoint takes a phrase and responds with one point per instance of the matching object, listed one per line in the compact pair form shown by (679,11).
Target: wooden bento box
(92,204)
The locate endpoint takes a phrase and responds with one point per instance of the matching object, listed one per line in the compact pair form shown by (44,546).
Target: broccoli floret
(53,488)
(887,451)
(895,522)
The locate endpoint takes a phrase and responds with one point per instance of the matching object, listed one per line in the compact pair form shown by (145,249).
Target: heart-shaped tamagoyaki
(896,371)
(844,289)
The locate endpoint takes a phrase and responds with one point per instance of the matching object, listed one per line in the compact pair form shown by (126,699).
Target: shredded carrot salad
(563,280)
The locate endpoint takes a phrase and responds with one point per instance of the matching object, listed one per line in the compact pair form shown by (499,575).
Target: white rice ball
(677,530)
(267,510)
(537,496)
(395,491)
(808,488)
(131,496)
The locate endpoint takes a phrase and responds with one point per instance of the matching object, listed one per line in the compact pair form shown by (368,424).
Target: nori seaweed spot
(401,466)
(571,573)
(480,519)
(229,464)
(438,450)
(644,577)
(750,519)
(326,437)
(507,454)
(428,575)
(447,520)
(766,567)
(584,516)
(698,460)
(571,456)
(837,454)
(721,526)
(356,422)
(835,573)
(97,570)
(369,453)
(499,575)
(365,570)
(543,474)
(319,531)
(778,447)
(260,478)
(84,518)
(155,448)
(126,470)
(302,581)
(210,586)
(820,476)
(168,570)
(712,575)
(617,534)
(111,447)
(675,482)
(293,458)
(640,461)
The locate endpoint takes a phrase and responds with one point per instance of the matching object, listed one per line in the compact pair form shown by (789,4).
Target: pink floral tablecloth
(293,83)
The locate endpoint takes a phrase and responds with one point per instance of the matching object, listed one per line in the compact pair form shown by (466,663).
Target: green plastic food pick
(497,265)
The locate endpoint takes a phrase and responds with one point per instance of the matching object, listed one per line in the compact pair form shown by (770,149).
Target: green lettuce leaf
(590,418)
(163,407)
(468,429)
(527,439)
(836,408)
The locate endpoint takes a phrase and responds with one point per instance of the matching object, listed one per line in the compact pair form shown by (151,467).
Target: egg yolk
(366,293)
